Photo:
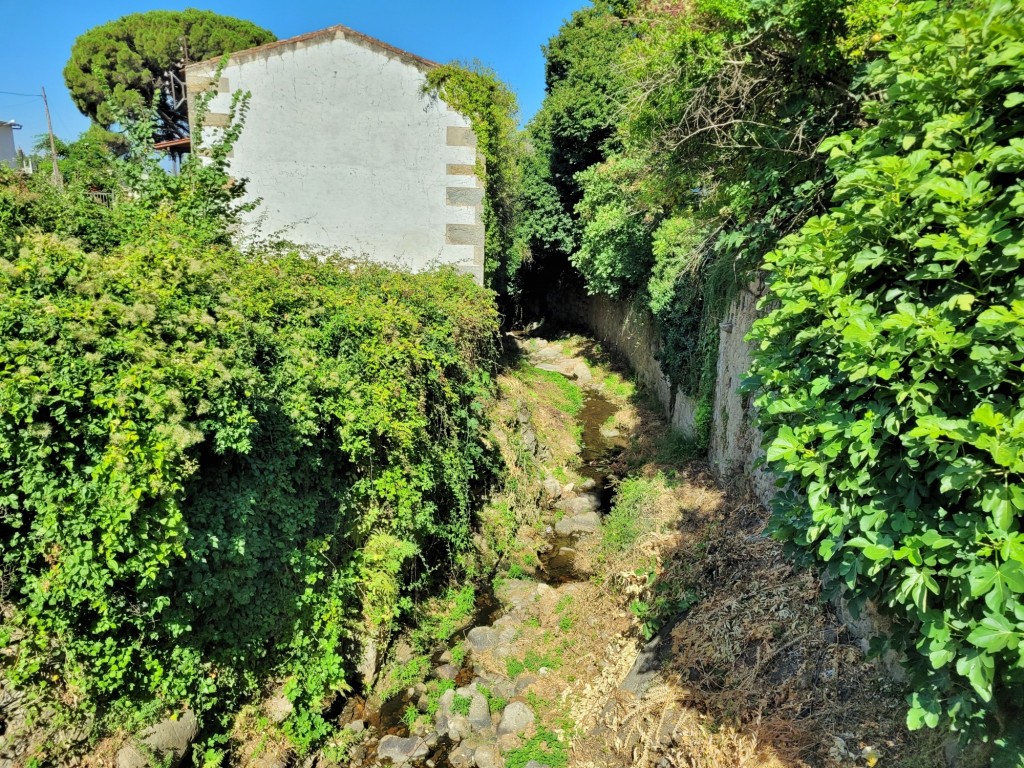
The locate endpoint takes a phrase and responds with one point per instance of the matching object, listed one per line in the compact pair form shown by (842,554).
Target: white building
(8,153)
(346,150)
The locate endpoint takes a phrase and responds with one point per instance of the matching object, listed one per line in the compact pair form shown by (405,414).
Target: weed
(514,667)
(544,747)
(516,571)
(461,704)
(674,447)
(494,703)
(458,653)
(630,515)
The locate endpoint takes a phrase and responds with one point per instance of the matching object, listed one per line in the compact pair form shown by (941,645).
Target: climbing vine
(889,368)
(476,92)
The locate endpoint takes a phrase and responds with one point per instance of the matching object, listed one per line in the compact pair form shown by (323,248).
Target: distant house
(346,150)
(8,153)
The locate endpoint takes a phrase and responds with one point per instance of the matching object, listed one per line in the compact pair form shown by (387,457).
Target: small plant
(435,690)
(516,571)
(565,623)
(514,667)
(494,703)
(631,513)
(543,747)
(410,715)
(461,704)
(458,653)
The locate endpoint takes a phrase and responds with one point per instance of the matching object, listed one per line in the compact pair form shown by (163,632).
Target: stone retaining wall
(630,332)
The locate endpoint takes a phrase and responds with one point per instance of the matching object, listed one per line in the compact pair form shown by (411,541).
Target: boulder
(369,659)
(482,638)
(479,713)
(581,373)
(401,750)
(552,488)
(459,728)
(578,505)
(168,741)
(446,672)
(278,709)
(516,718)
(444,712)
(586,522)
(523,682)
(487,756)
(462,756)
(516,593)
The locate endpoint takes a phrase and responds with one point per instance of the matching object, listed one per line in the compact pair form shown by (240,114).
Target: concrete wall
(345,151)
(8,154)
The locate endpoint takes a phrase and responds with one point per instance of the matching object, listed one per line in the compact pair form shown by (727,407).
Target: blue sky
(504,35)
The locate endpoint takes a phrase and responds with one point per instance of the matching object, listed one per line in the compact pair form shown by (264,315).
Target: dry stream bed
(637,617)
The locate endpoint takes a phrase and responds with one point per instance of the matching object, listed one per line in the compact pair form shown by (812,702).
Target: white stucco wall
(8,154)
(346,151)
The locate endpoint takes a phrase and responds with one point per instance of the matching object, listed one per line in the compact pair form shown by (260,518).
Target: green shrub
(889,368)
(216,469)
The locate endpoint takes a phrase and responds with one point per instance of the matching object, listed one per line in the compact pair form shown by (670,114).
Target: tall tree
(117,68)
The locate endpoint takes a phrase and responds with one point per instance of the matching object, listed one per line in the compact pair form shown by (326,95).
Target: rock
(523,682)
(404,652)
(444,712)
(548,353)
(401,751)
(356,726)
(487,756)
(278,709)
(482,638)
(529,438)
(578,505)
(568,489)
(167,740)
(275,758)
(446,657)
(368,661)
(516,718)
(610,433)
(462,756)
(516,593)
(459,728)
(586,522)
(504,689)
(479,713)
(581,373)
(589,484)
(446,672)
(552,488)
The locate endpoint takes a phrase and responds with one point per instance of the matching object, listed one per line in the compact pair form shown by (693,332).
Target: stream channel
(599,449)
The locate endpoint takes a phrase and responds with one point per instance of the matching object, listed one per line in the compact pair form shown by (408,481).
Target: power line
(14,93)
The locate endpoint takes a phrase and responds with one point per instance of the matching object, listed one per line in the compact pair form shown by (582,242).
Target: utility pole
(57,178)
